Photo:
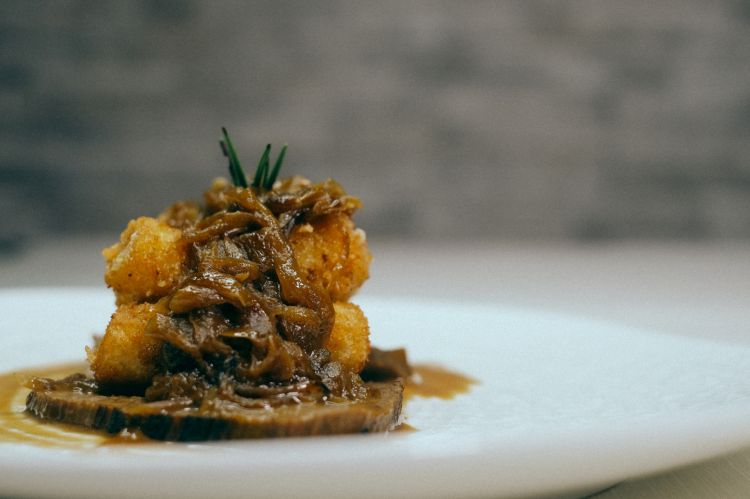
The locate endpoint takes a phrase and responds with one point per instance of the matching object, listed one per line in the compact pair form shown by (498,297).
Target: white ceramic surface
(564,405)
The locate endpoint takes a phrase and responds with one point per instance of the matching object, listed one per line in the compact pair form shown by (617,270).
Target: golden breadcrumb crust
(333,254)
(147,262)
(349,342)
(127,355)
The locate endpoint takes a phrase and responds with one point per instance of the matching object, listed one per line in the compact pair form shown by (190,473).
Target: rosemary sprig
(265,176)
(262,168)
(271,178)
(235,168)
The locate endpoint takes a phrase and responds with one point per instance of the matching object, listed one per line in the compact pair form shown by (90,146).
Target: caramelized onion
(244,325)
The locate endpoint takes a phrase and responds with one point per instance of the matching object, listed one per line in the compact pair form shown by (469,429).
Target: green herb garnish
(265,176)
(235,168)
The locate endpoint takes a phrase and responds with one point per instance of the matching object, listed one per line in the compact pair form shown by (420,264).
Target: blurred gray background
(541,120)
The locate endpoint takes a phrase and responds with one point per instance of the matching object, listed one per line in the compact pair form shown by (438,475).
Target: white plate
(564,405)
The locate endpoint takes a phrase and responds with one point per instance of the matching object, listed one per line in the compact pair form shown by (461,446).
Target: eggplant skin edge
(379,412)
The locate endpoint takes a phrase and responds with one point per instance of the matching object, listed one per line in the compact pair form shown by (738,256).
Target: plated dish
(562,405)
(234,320)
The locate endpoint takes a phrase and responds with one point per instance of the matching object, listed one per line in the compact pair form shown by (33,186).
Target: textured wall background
(522,119)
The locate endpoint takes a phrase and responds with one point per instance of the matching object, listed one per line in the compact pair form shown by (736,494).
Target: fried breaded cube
(126,356)
(332,253)
(147,262)
(349,342)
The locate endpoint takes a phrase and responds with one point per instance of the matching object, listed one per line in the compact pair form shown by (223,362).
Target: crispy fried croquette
(147,262)
(126,355)
(151,260)
(333,254)
(349,342)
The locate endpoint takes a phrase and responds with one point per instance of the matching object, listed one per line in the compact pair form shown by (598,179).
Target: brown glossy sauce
(20,427)
(17,426)
(405,428)
(433,381)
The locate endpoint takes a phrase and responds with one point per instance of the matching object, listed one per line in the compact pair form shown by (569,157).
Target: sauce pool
(17,426)
(433,381)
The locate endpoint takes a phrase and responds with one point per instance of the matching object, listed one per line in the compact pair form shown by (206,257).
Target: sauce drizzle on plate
(434,381)
(17,426)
